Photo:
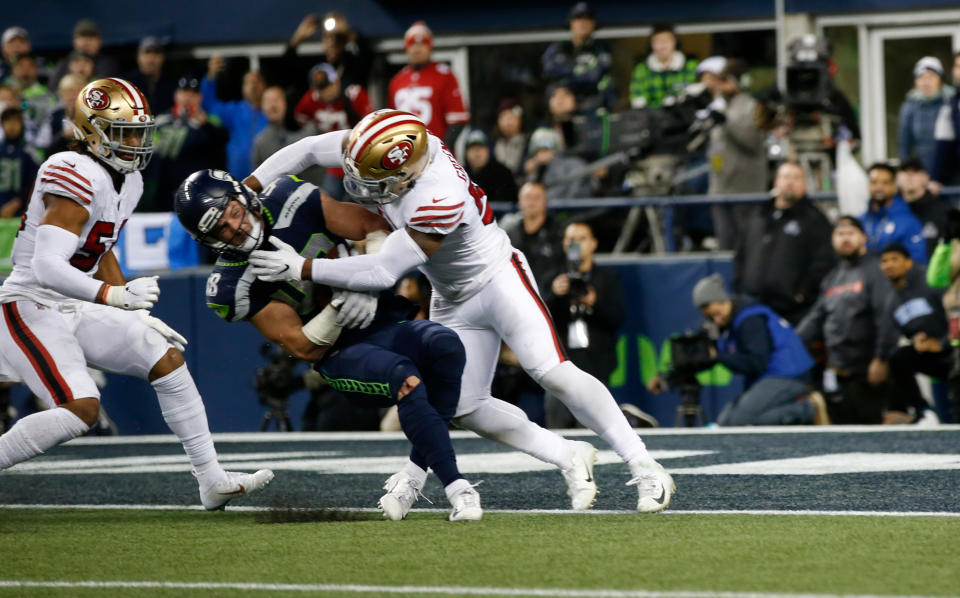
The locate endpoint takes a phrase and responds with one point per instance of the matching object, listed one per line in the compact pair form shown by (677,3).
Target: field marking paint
(498,462)
(461,434)
(450,590)
(834,463)
(243,509)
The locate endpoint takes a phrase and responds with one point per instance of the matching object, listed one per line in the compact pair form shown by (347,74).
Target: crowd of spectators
(788,256)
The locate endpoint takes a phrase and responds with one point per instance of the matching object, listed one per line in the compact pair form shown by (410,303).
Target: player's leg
(522,318)
(137,350)
(38,344)
(373,374)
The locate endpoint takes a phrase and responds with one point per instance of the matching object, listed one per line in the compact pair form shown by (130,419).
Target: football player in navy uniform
(367,346)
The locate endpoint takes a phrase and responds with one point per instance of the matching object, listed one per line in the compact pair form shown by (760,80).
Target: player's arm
(109,270)
(58,238)
(352,221)
(401,252)
(279,323)
(317,150)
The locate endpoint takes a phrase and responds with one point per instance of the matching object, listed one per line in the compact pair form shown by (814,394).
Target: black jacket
(782,257)
(603,321)
(919,308)
(852,315)
(932,212)
(543,249)
(496,180)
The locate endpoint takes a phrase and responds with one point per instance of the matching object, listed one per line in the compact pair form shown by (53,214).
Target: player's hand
(358,309)
(173,337)
(139,293)
(273,266)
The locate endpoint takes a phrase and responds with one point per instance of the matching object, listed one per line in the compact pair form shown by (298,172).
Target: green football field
(758,512)
(321,553)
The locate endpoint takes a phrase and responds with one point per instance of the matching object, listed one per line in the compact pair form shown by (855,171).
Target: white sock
(183,411)
(508,424)
(456,487)
(38,432)
(413,470)
(592,404)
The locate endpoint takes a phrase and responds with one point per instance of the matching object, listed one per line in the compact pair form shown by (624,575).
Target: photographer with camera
(758,344)
(586,302)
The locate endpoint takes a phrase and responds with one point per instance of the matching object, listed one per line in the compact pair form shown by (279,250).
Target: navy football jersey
(292,212)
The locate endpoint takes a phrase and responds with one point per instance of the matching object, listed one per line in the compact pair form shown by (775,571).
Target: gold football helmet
(383,155)
(113,118)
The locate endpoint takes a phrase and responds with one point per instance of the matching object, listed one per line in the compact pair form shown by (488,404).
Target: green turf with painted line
(755,553)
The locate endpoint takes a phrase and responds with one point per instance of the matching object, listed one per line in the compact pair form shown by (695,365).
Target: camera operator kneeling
(760,345)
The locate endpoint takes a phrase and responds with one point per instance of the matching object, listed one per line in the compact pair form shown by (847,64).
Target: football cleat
(402,492)
(581,487)
(237,484)
(466,505)
(654,485)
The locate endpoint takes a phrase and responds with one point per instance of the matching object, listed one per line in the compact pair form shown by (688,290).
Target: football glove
(139,293)
(358,309)
(276,266)
(173,337)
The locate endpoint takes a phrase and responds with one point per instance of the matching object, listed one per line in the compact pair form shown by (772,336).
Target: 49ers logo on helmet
(397,156)
(97,98)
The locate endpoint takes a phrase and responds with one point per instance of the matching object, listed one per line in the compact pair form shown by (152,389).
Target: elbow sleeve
(51,264)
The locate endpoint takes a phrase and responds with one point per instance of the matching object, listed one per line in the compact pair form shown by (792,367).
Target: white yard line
(416,590)
(148,507)
(461,434)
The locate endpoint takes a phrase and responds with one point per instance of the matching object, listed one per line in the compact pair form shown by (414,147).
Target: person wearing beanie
(484,169)
(428,89)
(755,342)
(853,319)
(510,145)
(918,114)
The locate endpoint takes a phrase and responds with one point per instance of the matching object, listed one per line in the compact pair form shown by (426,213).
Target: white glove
(173,337)
(358,309)
(283,264)
(139,293)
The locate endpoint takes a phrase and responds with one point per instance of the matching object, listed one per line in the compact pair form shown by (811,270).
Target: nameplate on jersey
(293,203)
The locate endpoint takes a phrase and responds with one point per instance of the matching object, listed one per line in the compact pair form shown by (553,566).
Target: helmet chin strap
(255,237)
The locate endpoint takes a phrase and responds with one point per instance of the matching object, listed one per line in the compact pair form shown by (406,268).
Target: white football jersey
(445,201)
(84,180)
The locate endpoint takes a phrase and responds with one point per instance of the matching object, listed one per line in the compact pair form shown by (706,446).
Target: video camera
(808,81)
(641,131)
(689,355)
(274,384)
(578,284)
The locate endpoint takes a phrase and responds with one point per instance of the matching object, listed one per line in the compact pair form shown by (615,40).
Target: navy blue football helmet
(201,202)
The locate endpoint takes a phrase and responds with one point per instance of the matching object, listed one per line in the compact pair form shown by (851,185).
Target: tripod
(689,411)
(276,412)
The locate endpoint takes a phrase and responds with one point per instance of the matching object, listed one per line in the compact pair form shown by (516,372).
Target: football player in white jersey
(482,289)
(67,305)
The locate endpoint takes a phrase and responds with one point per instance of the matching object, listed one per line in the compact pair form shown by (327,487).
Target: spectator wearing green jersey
(665,72)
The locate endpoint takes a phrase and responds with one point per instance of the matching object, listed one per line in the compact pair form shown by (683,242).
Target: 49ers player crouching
(66,304)
(482,289)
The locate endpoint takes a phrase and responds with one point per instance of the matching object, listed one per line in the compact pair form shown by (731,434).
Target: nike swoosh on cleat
(663,495)
(589,478)
(242,490)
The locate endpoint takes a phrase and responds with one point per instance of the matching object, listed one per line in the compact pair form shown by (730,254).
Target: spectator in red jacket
(330,106)
(428,89)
